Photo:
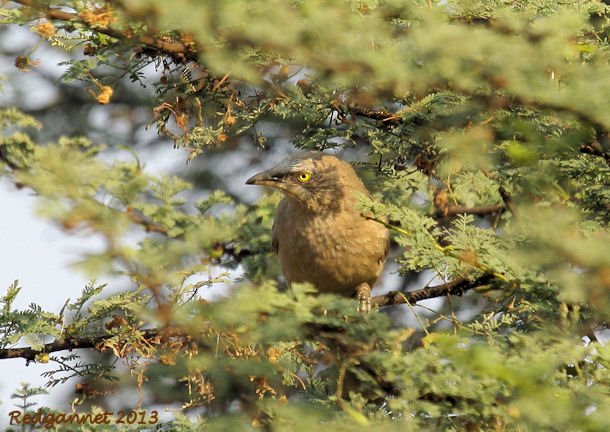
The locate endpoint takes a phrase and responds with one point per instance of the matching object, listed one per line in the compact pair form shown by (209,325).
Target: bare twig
(455,210)
(148,225)
(456,287)
(508,200)
(386,117)
(595,151)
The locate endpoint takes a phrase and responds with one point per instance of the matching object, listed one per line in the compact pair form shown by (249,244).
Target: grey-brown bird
(318,233)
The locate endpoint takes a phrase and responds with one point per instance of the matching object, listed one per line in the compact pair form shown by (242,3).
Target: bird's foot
(363,294)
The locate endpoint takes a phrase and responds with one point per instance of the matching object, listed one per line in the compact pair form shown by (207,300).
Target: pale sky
(38,255)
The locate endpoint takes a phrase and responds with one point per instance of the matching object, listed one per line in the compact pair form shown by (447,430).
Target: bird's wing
(275,245)
(386,248)
(280,215)
(385,252)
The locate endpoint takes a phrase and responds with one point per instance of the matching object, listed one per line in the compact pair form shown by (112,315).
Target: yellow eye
(304,177)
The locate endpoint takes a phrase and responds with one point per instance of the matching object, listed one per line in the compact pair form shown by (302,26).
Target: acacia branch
(507,199)
(455,210)
(181,51)
(66,343)
(445,210)
(148,225)
(227,249)
(58,345)
(456,287)
(595,151)
(177,50)
(386,117)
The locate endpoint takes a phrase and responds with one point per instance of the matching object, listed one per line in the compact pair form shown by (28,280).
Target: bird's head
(317,180)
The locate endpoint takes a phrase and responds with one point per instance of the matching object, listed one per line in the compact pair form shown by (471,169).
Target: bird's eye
(304,177)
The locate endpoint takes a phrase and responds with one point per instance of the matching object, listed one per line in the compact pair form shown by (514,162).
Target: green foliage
(485,129)
(30,323)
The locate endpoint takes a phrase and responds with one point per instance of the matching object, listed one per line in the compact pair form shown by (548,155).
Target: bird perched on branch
(318,233)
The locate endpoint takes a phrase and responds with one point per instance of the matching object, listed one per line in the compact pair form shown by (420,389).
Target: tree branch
(148,225)
(177,50)
(63,344)
(595,151)
(386,117)
(59,345)
(455,210)
(445,210)
(226,249)
(181,51)
(456,287)
(508,200)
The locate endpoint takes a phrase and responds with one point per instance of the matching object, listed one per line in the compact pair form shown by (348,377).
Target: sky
(39,256)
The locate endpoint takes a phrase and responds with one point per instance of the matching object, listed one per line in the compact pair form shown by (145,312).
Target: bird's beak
(276,178)
(265,178)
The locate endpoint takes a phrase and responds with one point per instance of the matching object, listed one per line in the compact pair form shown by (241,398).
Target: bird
(318,233)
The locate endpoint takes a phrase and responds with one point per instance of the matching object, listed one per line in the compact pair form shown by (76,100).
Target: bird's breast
(335,252)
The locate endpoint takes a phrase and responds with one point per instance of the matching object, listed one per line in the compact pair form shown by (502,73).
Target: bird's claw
(363,294)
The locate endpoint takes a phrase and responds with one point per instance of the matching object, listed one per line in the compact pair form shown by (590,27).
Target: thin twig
(384,116)
(508,200)
(456,287)
(148,225)
(455,210)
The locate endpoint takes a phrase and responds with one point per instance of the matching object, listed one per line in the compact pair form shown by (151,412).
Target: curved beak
(276,178)
(265,178)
